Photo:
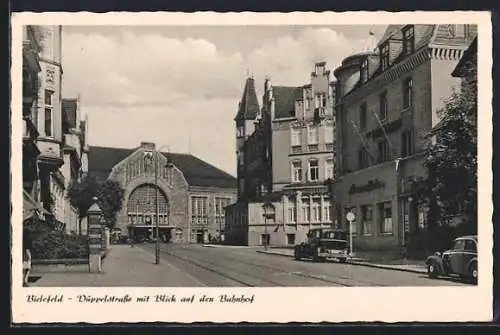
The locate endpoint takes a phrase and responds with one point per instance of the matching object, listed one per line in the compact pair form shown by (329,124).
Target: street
(225,266)
(232,266)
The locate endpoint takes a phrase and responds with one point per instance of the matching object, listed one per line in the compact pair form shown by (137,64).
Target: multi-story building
(289,158)
(191,193)
(387,101)
(31,70)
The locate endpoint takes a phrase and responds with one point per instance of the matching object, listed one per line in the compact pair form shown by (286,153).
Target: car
(323,244)
(460,260)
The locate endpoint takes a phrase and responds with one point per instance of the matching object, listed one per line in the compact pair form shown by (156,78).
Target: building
(191,193)
(288,159)
(52,143)
(387,100)
(31,70)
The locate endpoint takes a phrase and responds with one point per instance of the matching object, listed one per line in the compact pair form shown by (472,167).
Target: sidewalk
(404,265)
(123,266)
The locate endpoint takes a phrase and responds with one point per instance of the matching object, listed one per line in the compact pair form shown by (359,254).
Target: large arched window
(141,206)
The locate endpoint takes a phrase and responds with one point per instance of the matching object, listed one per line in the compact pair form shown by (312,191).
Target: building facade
(53,146)
(387,101)
(191,193)
(289,159)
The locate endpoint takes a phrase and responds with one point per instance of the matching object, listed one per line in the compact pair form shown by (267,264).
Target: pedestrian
(27,255)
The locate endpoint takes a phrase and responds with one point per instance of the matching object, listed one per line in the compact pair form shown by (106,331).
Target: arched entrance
(141,212)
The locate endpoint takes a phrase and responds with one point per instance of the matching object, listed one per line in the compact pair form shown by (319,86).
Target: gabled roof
(249,105)
(69,107)
(196,171)
(285,97)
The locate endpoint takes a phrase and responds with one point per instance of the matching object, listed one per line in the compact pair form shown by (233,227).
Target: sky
(179,86)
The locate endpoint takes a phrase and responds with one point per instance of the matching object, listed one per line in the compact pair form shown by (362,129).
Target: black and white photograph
(251,155)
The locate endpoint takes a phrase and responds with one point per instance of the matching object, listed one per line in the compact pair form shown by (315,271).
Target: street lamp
(153,156)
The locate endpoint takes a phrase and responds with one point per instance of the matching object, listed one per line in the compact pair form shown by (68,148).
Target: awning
(31,207)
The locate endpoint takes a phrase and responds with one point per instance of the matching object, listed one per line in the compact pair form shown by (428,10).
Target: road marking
(179,270)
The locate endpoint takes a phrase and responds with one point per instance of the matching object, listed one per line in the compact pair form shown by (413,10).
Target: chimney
(149,146)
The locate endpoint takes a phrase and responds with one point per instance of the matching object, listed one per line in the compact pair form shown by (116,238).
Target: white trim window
(329,169)
(312,135)
(292,212)
(199,210)
(49,111)
(295,137)
(306,214)
(327,212)
(296,171)
(385,217)
(313,170)
(366,220)
(315,211)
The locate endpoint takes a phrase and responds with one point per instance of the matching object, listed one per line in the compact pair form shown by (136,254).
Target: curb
(356,262)
(387,267)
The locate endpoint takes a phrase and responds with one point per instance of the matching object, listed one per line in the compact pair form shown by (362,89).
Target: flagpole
(365,145)
(384,132)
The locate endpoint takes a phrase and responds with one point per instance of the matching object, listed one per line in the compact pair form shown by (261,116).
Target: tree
(450,187)
(80,194)
(110,197)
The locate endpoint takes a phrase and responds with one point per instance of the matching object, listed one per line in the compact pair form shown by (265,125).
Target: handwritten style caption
(157,298)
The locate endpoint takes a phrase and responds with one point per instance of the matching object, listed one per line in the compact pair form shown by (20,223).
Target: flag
(383,130)
(365,145)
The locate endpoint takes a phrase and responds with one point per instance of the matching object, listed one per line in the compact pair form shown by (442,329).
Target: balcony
(329,147)
(296,149)
(50,153)
(313,147)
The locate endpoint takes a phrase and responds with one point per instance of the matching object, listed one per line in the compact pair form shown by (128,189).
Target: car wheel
(342,260)
(473,272)
(432,270)
(296,255)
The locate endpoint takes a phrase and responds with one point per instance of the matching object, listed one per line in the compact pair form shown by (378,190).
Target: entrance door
(199,236)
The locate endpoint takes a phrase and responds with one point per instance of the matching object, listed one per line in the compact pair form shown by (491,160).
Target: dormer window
(384,56)
(408,40)
(364,71)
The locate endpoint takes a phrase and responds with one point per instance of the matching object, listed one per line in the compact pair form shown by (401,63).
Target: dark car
(460,260)
(323,244)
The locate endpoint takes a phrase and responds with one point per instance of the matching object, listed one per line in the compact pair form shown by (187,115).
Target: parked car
(323,244)
(460,260)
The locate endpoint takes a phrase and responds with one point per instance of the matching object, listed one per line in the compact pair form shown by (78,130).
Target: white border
(397,304)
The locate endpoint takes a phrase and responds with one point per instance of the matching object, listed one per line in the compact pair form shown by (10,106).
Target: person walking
(27,250)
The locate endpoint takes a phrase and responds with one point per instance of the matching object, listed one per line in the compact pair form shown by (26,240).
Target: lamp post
(154,157)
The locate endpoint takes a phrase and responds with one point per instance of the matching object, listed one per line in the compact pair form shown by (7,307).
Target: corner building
(288,159)
(387,101)
(192,194)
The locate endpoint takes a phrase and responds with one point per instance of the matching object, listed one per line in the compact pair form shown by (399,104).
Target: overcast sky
(180,86)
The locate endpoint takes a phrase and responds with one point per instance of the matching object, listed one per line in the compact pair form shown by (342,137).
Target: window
(364,71)
(327,212)
(408,40)
(290,239)
(48,121)
(470,246)
(407,143)
(317,101)
(220,214)
(312,135)
(383,107)
(328,134)
(461,30)
(353,225)
(48,98)
(384,56)
(297,171)
(199,210)
(323,100)
(315,211)
(408,93)
(296,138)
(459,245)
(49,104)
(313,170)
(366,219)
(306,215)
(292,212)
(383,151)
(329,169)
(363,159)
(308,103)
(385,217)
(362,116)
